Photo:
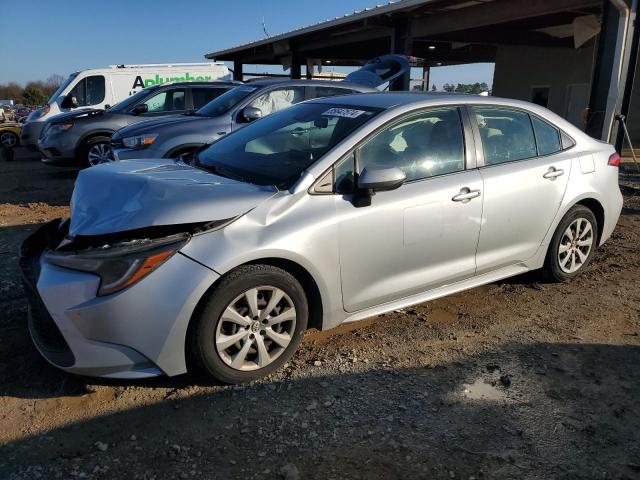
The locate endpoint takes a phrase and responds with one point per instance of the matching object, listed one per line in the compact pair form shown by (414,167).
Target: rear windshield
(226,101)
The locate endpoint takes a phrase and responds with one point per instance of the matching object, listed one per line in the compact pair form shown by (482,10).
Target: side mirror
(140,109)
(373,179)
(69,102)
(251,113)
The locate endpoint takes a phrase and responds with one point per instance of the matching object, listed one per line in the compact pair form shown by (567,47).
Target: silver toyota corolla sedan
(328,212)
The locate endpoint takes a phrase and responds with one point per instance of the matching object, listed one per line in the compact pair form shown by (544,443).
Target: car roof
(387,100)
(312,83)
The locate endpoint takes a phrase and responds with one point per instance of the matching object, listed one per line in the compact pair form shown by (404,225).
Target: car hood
(129,195)
(83,112)
(153,126)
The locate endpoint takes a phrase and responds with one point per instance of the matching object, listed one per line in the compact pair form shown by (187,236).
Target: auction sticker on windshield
(344,112)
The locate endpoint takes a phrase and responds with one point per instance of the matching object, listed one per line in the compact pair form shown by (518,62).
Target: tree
(434,88)
(447,87)
(33,95)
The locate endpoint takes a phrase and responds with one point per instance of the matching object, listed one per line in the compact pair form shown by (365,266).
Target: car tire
(9,139)
(572,245)
(94,151)
(235,342)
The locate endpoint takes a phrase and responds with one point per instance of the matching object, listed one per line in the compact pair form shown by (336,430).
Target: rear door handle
(465,195)
(553,172)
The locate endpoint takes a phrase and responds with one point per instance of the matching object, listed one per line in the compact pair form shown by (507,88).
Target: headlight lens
(140,141)
(42,112)
(58,128)
(118,267)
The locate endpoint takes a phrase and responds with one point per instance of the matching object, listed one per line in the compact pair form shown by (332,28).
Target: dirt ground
(517,379)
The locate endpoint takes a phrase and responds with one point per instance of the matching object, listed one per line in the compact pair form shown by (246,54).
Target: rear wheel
(251,324)
(572,245)
(95,151)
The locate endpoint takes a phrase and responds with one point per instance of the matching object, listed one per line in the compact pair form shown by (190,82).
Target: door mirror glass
(251,113)
(140,109)
(69,102)
(380,179)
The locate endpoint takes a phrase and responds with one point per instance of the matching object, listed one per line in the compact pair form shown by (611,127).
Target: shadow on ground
(570,411)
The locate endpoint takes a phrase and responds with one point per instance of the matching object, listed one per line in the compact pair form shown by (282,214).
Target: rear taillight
(614,160)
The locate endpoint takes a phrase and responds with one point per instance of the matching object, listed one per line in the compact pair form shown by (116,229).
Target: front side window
(424,145)
(226,101)
(277,149)
(320,92)
(547,136)
(89,91)
(507,135)
(203,95)
(278,99)
(167,101)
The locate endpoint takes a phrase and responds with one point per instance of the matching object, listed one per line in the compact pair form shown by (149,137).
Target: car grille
(43,329)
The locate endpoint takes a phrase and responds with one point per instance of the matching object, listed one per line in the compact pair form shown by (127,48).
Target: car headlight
(121,266)
(58,128)
(140,141)
(41,112)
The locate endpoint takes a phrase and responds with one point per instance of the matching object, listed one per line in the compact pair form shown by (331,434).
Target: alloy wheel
(575,245)
(99,153)
(255,328)
(8,139)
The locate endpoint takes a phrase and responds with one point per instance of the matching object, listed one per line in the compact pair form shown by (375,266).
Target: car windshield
(64,85)
(130,101)
(226,101)
(277,149)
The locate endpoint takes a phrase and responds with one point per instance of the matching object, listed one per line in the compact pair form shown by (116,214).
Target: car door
(171,101)
(422,235)
(525,174)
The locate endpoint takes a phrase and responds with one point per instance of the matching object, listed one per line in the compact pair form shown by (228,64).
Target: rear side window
(507,135)
(547,137)
(202,95)
(89,91)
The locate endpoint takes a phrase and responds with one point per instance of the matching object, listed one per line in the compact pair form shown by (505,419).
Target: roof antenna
(264,27)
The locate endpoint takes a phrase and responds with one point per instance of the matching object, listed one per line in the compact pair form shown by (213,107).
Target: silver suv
(330,211)
(180,137)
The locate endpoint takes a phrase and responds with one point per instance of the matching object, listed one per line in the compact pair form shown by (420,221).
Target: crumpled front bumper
(138,332)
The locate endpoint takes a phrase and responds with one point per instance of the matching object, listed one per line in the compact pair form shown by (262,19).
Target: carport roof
(436,31)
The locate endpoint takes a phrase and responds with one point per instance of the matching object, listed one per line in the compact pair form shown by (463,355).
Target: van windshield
(61,88)
(277,149)
(226,101)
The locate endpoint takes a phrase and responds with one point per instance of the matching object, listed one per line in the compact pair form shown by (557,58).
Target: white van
(103,87)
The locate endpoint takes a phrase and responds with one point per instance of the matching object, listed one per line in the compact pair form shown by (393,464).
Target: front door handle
(465,195)
(553,172)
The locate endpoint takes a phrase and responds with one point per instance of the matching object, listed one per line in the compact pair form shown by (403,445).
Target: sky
(59,37)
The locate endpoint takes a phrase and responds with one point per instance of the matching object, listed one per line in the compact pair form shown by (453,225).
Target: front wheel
(96,151)
(251,324)
(9,139)
(572,245)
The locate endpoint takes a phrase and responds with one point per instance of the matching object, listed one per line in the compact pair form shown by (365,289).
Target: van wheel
(572,245)
(95,151)
(251,324)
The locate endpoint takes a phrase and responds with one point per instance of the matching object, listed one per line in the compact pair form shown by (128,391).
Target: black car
(82,137)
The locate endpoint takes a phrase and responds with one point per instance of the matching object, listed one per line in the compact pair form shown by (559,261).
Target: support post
(426,73)
(401,43)
(296,69)
(238,75)
(610,69)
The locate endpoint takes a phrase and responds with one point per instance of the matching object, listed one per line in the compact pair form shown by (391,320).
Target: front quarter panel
(300,228)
